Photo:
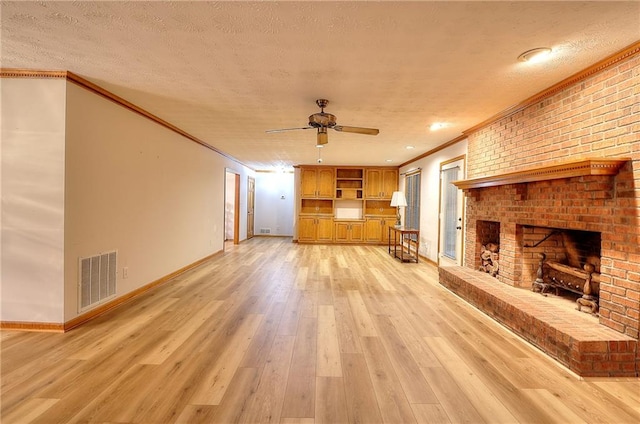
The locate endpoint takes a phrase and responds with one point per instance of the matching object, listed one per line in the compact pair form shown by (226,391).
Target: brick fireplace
(566,161)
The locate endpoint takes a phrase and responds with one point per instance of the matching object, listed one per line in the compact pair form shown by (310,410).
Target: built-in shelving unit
(349,183)
(357,208)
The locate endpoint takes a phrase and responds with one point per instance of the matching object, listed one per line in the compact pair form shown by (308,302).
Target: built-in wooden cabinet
(336,206)
(317,183)
(380,183)
(315,229)
(348,231)
(379,215)
(377,229)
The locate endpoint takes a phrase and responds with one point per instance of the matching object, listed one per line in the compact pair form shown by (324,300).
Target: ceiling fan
(322,121)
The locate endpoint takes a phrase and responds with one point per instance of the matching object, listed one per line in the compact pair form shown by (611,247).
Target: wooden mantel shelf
(577,168)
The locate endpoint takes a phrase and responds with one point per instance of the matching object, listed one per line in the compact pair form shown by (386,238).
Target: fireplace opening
(563,261)
(488,244)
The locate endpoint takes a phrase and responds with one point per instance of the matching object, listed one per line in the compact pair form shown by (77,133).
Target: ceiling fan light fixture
(323,121)
(323,138)
(536,55)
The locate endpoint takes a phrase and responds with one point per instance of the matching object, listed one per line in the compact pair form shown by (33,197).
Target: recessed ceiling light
(535,55)
(437,125)
(388,160)
(409,147)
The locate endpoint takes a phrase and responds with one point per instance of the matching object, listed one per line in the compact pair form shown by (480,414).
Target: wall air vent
(265,230)
(97,282)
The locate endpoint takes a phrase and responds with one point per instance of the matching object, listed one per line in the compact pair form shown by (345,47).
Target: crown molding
(437,149)
(615,58)
(30,73)
(96,89)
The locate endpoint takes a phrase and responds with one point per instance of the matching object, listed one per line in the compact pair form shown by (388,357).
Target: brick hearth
(576,340)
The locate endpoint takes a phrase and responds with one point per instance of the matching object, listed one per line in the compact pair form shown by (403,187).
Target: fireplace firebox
(567,260)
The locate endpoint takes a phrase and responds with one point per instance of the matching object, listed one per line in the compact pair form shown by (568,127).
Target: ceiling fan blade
(288,129)
(357,130)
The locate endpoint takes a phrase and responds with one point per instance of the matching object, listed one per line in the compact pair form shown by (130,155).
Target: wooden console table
(401,240)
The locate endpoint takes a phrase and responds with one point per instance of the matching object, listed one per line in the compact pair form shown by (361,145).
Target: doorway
(251,201)
(232,207)
(451,234)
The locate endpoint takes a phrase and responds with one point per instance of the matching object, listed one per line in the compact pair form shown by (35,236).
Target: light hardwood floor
(273,331)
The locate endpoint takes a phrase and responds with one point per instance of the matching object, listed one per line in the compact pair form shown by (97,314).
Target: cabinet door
(373,182)
(326,183)
(324,229)
(307,228)
(373,229)
(357,231)
(389,183)
(386,223)
(342,231)
(308,182)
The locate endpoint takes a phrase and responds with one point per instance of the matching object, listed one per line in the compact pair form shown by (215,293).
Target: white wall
(33,168)
(429,195)
(137,187)
(274,206)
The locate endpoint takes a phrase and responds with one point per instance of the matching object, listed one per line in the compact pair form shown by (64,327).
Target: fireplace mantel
(576,168)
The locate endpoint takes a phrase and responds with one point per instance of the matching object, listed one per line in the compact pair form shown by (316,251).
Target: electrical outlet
(125,272)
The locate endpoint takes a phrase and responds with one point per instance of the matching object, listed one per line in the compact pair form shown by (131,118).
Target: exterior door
(451,213)
(251,200)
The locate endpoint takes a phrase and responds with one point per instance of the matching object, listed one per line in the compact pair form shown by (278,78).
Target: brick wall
(596,117)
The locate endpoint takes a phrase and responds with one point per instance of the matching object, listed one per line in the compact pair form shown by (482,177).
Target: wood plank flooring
(276,332)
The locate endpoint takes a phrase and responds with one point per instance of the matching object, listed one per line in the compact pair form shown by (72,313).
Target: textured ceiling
(227,71)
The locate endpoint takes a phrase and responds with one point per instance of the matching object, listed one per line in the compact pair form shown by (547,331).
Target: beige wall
(138,188)
(33,148)
(82,175)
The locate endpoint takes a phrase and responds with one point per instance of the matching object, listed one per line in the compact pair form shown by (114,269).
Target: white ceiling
(227,71)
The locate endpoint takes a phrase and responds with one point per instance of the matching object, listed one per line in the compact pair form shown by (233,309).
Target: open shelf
(316,207)
(379,208)
(349,183)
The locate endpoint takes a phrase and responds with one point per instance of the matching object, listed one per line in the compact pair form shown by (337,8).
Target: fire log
(489,259)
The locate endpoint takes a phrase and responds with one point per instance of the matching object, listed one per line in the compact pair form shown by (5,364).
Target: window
(412,191)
